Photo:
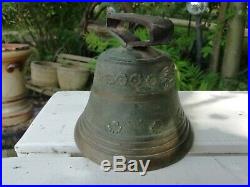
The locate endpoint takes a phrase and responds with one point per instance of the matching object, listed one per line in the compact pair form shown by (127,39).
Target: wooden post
(214,61)
(234,41)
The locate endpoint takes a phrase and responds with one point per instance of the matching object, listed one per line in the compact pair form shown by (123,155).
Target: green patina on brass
(134,108)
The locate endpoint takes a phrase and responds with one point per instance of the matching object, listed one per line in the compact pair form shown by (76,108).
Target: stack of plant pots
(70,72)
(17,110)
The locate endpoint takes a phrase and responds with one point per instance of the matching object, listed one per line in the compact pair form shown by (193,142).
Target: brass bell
(134,109)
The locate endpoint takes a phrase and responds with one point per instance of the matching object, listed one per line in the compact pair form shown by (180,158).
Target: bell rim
(157,160)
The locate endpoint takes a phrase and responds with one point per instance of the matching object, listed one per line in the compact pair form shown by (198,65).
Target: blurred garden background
(79,29)
(66,33)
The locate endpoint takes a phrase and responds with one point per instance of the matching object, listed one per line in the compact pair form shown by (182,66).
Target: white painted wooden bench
(219,153)
(77,170)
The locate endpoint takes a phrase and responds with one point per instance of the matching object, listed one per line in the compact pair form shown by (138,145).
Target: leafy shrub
(51,26)
(92,65)
(98,44)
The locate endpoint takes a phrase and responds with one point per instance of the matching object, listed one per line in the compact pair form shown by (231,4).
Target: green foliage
(142,34)
(190,77)
(54,28)
(179,44)
(51,26)
(209,36)
(207,50)
(98,44)
(165,9)
(92,65)
(56,14)
(233,85)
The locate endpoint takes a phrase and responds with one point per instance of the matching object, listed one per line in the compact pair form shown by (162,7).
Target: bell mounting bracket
(160,30)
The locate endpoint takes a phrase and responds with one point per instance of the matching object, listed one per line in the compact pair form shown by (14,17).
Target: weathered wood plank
(71,57)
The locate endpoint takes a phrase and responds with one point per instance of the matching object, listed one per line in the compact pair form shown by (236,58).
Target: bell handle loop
(160,29)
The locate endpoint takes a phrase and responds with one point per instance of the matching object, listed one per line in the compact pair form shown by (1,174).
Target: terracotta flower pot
(72,76)
(43,74)
(15,108)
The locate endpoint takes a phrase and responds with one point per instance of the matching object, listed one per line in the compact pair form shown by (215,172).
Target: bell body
(134,110)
